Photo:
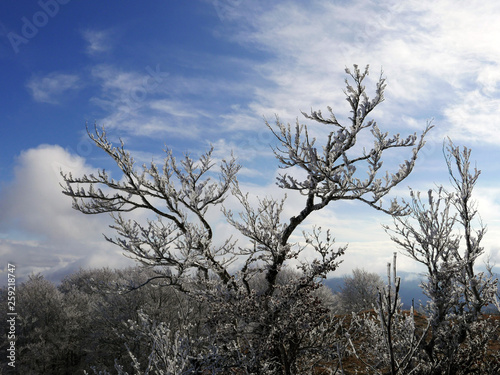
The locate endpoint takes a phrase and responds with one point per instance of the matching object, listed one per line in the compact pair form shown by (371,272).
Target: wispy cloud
(112,79)
(434,55)
(474,118)
(98,41)
(175,108)
(128,98)
(50,88)
(153,102)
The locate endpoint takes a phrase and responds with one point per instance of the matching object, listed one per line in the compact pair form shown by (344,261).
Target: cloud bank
(39,231)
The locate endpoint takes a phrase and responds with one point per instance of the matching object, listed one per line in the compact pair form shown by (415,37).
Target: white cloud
(474,118)
(488,79)
(130,99)
(112,79)
(153,103)
(50,88)
(41,231)
(173,107)
(99,41)
(488,206)
(435,55)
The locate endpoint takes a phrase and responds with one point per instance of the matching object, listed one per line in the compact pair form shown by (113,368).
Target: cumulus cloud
(39,229)
(50,88)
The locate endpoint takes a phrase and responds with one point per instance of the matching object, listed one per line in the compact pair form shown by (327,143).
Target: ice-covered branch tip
(333,168)
(182,186)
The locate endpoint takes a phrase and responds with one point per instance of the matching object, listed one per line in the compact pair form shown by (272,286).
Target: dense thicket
(96,317)
(84,321)
(97,321)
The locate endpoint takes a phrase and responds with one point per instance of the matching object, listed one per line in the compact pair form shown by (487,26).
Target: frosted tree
(444,234)
(359,291)
(281,328)
(389,341)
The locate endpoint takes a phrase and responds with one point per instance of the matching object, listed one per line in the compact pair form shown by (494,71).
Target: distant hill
(409,290)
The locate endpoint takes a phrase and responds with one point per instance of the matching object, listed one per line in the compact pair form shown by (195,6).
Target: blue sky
(187,74)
